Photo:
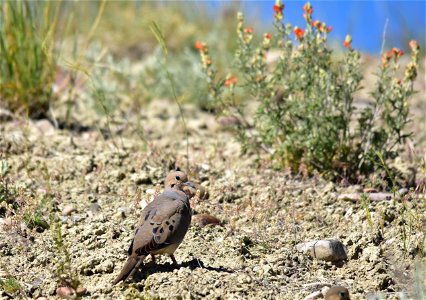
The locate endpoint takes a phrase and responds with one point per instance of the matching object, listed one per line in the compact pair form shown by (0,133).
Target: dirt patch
(264,214)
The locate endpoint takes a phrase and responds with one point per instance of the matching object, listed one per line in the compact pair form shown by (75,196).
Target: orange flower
(299,32)
(347,42)
(389,54)
(199,45)
(414,45)
(267,36)
(329,28)
(316,24)
(278,9)
(231,81)
(397,52)
(308,11)
(248,30)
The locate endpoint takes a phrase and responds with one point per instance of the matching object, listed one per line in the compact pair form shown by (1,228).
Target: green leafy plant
(305,99)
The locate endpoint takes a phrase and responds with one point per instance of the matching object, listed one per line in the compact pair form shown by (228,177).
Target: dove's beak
(190,184)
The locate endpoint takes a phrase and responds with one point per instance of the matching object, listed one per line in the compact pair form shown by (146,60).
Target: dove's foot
(173,259)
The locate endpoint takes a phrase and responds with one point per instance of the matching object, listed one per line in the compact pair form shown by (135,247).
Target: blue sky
(364,20)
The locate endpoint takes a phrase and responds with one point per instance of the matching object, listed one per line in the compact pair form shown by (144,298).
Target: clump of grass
(10,285)
(305,99)
(27,57)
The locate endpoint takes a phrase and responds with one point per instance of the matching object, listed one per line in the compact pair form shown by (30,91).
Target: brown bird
(337,293)
(163,224)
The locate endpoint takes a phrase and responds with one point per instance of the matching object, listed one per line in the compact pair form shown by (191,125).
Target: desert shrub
(27,56)
(305,114)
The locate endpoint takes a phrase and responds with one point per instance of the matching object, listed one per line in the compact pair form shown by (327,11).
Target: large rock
(327,250)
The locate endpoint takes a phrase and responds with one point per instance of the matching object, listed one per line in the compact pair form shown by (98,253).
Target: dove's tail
(130,266)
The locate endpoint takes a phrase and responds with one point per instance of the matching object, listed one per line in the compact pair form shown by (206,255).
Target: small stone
(5,115)
(95,208)
(203,220)
(372,196)
(42,298)
(6,222)
(228,121)
(4,274)
(403,191)
(124,212)
(244,278)
(68,210)
(45,127)
(337,292)
(150,191)
(81,291)
(66,292)
(143,204)
(327,250)
(205,167)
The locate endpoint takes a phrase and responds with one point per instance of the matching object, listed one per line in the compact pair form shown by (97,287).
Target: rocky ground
(95,182)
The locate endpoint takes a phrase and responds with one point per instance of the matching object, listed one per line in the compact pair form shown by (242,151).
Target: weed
(305,100)
(10,285)
(64,270)
(28,58)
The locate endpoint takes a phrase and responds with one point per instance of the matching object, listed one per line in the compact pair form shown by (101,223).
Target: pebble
(124,211)
(95,208)
(81,291)
(45,127)
(143,204)
(228,121)
(150,191)
(337,292)
(372,196)
(68,210)
(42,298)
(327,250)
(66,292)
(203,220)
(403,191)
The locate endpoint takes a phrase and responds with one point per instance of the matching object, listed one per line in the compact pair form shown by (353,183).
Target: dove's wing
(165,221)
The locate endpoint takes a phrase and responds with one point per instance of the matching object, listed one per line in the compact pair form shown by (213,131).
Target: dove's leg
(153,259)
(174,259)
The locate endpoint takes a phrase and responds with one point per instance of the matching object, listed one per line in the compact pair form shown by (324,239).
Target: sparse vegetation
(10,285)
(102,98)
(305,99)
(28,57)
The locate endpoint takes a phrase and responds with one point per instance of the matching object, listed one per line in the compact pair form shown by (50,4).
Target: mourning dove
(163,225)
(337,293)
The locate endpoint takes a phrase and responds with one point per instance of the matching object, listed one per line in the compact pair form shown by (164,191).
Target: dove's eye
(177,178)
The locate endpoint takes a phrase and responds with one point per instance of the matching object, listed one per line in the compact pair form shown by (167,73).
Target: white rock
(327,250)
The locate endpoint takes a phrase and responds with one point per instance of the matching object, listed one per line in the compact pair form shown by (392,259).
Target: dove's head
(179,180)
(337,293)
